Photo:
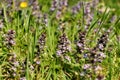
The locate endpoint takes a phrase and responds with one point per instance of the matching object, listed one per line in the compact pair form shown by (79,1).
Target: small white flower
(59,52)
(38,62)
(16,63)
(101,46)
(86,66)
(82,74)
(14,74)
(14,68)
(79,44)
(22,78)
(68,58)
(102,54)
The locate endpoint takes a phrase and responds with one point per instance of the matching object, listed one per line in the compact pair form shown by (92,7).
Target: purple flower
(85,55)
(59,52)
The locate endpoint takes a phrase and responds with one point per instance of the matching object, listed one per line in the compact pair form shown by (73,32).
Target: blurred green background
(114,4)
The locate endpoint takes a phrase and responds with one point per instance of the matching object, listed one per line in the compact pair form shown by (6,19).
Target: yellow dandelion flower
(23,4)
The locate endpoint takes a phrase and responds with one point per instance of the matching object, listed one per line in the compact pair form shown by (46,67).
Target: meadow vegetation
(59,40)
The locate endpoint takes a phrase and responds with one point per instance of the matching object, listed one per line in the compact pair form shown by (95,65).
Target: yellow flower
(23,4)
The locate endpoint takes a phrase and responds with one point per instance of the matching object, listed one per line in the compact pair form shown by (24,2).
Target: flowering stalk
(94,57)
(40,48)
(60,6)
(81,42)
(1,24)
(11,70)
(9,41)
(77,8)
(88,15)
(63,45)
(36,11)
(53,5)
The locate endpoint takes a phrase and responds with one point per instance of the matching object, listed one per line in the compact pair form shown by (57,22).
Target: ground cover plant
(59,40)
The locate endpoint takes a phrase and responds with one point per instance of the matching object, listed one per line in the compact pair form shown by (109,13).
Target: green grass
(53,67)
